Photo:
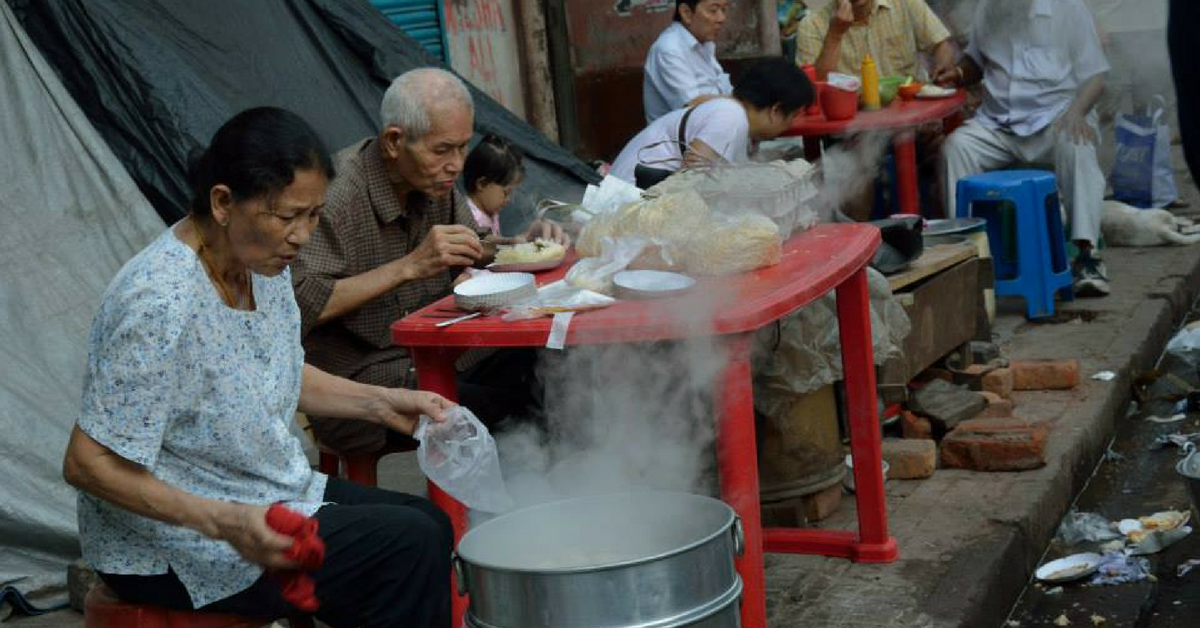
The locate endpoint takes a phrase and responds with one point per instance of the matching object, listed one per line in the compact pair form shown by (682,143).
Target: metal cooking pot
(628,560)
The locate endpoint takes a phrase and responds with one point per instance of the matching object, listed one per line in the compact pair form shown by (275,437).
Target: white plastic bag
(459,455)
(555,298)
(596,273)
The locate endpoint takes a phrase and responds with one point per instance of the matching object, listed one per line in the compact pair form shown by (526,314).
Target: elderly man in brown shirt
(394,234)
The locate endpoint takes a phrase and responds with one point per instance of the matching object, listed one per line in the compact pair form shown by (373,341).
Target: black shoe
(1091,277)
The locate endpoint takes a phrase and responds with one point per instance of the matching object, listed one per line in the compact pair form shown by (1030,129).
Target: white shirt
(1032,72)
(200,395)
(678,69)
(721,123)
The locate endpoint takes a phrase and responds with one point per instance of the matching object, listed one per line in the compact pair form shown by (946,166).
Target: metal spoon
(458,320)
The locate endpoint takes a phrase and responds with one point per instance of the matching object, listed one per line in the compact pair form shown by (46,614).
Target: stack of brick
(993,438)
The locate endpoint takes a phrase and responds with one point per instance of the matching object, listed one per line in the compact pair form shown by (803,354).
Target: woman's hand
(245,528)
(399,409)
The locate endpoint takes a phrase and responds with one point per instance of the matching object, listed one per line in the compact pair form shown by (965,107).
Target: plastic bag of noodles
(687,236)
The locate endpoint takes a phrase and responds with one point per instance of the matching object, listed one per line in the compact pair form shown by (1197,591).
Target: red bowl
(838,104)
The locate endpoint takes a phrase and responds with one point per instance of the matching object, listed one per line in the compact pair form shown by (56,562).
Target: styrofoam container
(1069,568)
(494,291)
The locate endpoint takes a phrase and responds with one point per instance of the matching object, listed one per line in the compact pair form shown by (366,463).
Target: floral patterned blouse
(200,395)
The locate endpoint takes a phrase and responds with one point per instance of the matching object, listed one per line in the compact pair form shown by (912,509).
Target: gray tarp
(71,216)
(158,78)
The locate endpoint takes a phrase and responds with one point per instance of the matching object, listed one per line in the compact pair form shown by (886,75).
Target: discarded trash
(1104,376)
(1112,456)
(1120,569)
(1085,526)
(1183,441)
(1098,619)
(1175,418)
(1183,404)
(1062,620)
(1069,568)
(1186,566)
(1054,591)
(1150,535)
(1117,545)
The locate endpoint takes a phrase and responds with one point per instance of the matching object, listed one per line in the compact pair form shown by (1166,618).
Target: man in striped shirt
(838,36)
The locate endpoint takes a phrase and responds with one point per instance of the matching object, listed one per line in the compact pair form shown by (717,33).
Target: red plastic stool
(102,609)
(360,468)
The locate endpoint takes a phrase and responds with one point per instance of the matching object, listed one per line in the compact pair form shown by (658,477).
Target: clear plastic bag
(596,273)
(459,455)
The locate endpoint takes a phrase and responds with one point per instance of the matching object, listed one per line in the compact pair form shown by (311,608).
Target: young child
(491,173)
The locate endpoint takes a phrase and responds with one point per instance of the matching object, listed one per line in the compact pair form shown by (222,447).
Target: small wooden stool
(102,609)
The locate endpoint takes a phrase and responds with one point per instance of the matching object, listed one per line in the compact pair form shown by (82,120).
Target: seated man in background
(394,234)
(893,32)
(682,68)
(722,129)
(1042,71)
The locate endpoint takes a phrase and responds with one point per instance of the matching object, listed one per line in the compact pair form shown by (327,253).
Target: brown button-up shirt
(364,225)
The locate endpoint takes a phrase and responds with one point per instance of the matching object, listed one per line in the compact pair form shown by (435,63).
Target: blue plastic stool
(1028,245)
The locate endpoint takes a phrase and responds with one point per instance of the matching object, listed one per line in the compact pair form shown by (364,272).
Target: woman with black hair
(681,67)
(723,129)
(195,371)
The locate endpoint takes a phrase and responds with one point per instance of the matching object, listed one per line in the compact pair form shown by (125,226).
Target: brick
(996,445)
(915,426)
(999,382)
(910,459)
(1045,374)
(945,404)
(998,407)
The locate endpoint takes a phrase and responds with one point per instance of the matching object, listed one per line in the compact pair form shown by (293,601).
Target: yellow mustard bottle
(870,83)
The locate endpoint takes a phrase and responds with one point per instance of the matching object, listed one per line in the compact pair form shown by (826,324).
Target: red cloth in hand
(307,550)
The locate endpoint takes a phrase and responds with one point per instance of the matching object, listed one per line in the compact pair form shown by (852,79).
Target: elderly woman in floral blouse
(194,372)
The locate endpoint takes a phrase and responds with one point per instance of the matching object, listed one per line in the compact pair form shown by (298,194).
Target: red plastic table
(827,257)
(901,115)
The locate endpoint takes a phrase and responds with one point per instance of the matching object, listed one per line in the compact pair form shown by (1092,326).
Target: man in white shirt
(767,96)
(1042,71)
(682,67)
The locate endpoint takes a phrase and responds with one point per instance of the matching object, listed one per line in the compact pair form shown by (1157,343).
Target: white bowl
(494,291)
(848,479)
(648,284)
(1069,568)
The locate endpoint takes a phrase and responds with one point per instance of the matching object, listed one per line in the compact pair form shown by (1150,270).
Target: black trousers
(387,565)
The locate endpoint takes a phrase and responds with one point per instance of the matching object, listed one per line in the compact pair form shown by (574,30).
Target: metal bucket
(625,560)
(1189,468)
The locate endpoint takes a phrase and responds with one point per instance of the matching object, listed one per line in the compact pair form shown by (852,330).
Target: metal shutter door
(421,19)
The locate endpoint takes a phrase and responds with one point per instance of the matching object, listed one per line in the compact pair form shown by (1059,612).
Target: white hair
(412,96)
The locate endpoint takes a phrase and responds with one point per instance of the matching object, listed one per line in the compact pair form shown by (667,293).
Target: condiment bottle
(811,72)
(870,83)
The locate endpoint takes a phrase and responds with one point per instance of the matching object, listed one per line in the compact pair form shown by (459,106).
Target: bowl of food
(909,90)
(889,86)
(529,257)
(492,291)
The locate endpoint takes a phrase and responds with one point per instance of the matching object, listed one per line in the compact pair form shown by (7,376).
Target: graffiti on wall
(483,48)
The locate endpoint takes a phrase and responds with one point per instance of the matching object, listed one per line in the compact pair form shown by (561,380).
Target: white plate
(934,92)
(1069,568)
(527,267)
(651,283)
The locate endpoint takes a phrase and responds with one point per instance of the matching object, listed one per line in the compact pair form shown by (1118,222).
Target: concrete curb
(1012,550)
